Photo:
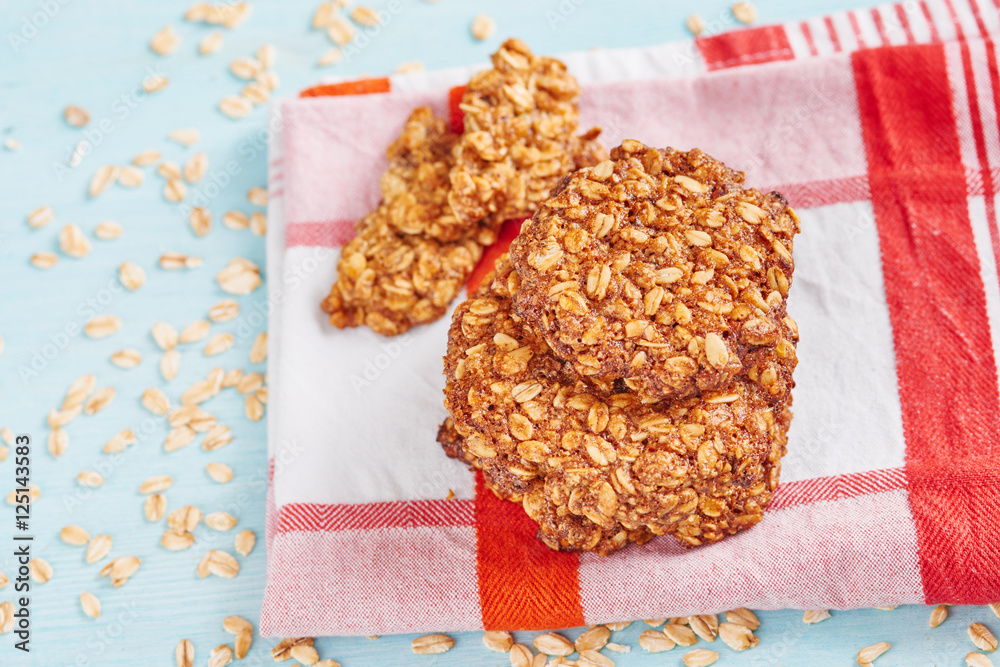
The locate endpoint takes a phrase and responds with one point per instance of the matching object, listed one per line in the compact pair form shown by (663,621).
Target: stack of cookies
(626,371)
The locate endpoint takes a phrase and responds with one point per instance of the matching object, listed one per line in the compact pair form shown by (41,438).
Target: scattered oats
(245,68)
(217,438)
(173,540)
(102,326)
(199,392)
(76,157)
(165,335)
(130,177)
(127,358)
(695,24)
(40,217)
(44,260)
(7,435)
(617,626)
(153,83)
(700,657)
(431,644)
(119,442)
(737,637)
(258,353)
(108,230)
(195,331)
(324,14)
(3,457)
(938,615)
(156,484)
(743,616)
(282,650)
(6,616)
(813,616)
(146,158)
(498,640)
(869,653)
(593,639)
(210,43)
(257,196)
(175,191)
(175,260)
(220,521)
(100,400)
(262,395)
(40,570)
(98,548)
(234,625)
(331,56)
(409,66)
(131,275)
(89,478)
(655,622)
(240,277)
(201,220)
(680,634)
(305,654)
(258,223)
(705,626)
(12,144)
(982,637)
(165,41)
(186,518)
(269,80)
(243,642)
(58,441)
(59,418)
(551,643)
(889,608)
(744,12)
(222,564)
(232,378)
(977,660)
(169,169)
(154,400)
(195,167)
(365,16)
(74,535)
(178,438)
(220,656)
(76,116)
(256,92)
(218,344)
(236,220)
(483,27)
(219,472)
(254,409)
(327,662)
(266,55)
(618,648)
(235,106)
(184,653)
(250,382)
(90,604)
(224,311)
(155,506)
(102,178)
(73,242)
(34,493)
(121,569)
(340,31)
(655,641)
(79,391)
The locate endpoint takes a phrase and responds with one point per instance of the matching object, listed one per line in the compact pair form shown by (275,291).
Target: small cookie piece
(657,267)
(415,186)
(521,119)
(597,472)
(390,281)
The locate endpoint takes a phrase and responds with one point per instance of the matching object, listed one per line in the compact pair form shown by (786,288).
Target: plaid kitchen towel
(881,128)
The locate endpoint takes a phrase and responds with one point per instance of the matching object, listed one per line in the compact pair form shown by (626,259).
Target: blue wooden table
(95,54)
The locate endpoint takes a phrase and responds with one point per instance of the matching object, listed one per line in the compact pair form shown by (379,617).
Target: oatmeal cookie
(597,472)
(390,281)
(521,120)
(659,268)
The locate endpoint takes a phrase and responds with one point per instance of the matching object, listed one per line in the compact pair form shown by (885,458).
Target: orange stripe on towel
(357,87)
